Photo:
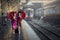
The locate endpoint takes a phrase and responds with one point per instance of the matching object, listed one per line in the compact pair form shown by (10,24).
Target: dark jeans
(18,24)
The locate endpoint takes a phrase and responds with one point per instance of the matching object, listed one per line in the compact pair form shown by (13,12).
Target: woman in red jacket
(20,15)
(12,16)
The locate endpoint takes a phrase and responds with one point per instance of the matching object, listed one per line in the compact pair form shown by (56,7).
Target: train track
(49,28)
(46,34)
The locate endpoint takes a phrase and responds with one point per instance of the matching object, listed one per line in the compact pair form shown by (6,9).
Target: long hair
(11,14)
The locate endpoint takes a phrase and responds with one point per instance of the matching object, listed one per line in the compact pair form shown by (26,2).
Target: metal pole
(2,12)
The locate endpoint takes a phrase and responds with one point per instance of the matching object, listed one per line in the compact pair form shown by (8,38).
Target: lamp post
(8,4)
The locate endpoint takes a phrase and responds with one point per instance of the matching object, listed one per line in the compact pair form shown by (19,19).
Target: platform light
(29,3)
(21,7)
(23,1)
(20,3)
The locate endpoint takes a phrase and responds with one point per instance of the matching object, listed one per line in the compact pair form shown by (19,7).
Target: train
(52,13)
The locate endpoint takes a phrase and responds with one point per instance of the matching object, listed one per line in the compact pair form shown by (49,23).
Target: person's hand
(20,15)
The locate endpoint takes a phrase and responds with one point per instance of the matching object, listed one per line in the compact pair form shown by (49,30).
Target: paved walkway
(28,32)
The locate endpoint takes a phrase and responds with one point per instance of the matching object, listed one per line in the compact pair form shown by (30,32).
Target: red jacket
(10,15)
(23,15)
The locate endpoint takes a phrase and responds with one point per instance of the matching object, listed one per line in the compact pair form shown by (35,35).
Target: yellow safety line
(24,33)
